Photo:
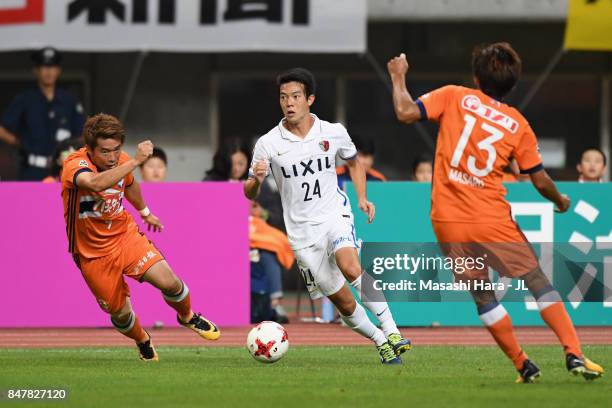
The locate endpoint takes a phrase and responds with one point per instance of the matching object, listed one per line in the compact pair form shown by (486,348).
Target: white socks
(360,323)
(379,309)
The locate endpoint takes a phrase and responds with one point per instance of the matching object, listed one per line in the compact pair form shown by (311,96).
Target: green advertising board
(402,216)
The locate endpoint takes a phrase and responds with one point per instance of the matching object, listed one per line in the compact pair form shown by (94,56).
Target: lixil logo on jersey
(324,145)
(310,167)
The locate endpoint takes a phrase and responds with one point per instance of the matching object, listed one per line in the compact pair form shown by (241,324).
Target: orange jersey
(477,139)
(95,222)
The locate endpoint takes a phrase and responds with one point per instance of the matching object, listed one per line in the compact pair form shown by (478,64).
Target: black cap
(47,56)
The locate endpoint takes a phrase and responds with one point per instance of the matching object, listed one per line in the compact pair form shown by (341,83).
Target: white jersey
(305,173)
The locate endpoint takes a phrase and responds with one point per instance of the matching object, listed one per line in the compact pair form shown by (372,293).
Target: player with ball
(300,152)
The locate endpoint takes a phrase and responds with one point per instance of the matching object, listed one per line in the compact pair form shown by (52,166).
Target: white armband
(145,212)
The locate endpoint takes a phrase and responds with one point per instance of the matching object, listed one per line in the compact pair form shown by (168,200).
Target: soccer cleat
(204,327)
(147,350)
(584,366)
(387,354)
(528,373)
(399,344)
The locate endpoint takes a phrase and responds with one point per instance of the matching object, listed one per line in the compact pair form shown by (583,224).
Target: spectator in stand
(230,162)
(267,217)
(366,154)
(64,149)
(155,168)
(40,118)
(270,253)
(422,169)
(592,166)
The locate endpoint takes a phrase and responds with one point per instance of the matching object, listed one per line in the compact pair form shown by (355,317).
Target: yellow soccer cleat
(589,370)
(399,344)
(204,327)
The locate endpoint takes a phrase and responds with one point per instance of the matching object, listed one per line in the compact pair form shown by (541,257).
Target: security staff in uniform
(41,117)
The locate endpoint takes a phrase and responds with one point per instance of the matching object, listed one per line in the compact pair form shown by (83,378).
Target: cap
(47,56)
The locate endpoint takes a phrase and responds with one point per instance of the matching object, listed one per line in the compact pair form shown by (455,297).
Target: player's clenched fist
(144,151)
(398,65)
(564,204)
(260,170)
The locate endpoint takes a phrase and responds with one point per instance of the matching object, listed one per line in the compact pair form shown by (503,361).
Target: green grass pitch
(307,376)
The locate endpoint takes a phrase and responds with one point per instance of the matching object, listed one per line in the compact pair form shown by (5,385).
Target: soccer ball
(268,342)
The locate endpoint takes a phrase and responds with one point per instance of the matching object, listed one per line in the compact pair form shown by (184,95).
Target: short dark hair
(596,149)
(102,126)
(497,67)
(300,75)
(160,154)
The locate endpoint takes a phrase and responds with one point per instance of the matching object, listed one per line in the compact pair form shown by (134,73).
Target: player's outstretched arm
(406,109)
(134,195)
(358,177)
(547,188)
(253,184)
(105,179)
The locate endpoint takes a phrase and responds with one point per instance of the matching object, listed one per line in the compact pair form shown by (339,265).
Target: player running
(104,239)
(479,135)
(301,154)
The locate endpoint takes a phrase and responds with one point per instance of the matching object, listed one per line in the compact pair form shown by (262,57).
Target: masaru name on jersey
(307,168)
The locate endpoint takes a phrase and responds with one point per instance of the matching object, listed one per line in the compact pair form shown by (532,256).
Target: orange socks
(180,302)
(556,317)
(131,328)
(552,310)
(498,322)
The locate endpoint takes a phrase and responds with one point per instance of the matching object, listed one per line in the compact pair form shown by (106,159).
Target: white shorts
(317,263)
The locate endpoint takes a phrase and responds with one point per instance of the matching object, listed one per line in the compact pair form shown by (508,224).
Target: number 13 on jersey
(486,144)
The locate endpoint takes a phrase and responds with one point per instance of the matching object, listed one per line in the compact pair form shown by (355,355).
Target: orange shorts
(104,275)
(502,246)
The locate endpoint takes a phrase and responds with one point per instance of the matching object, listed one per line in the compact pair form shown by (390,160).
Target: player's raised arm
(358,177)
(547,188)
(105,179)
(406,109)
